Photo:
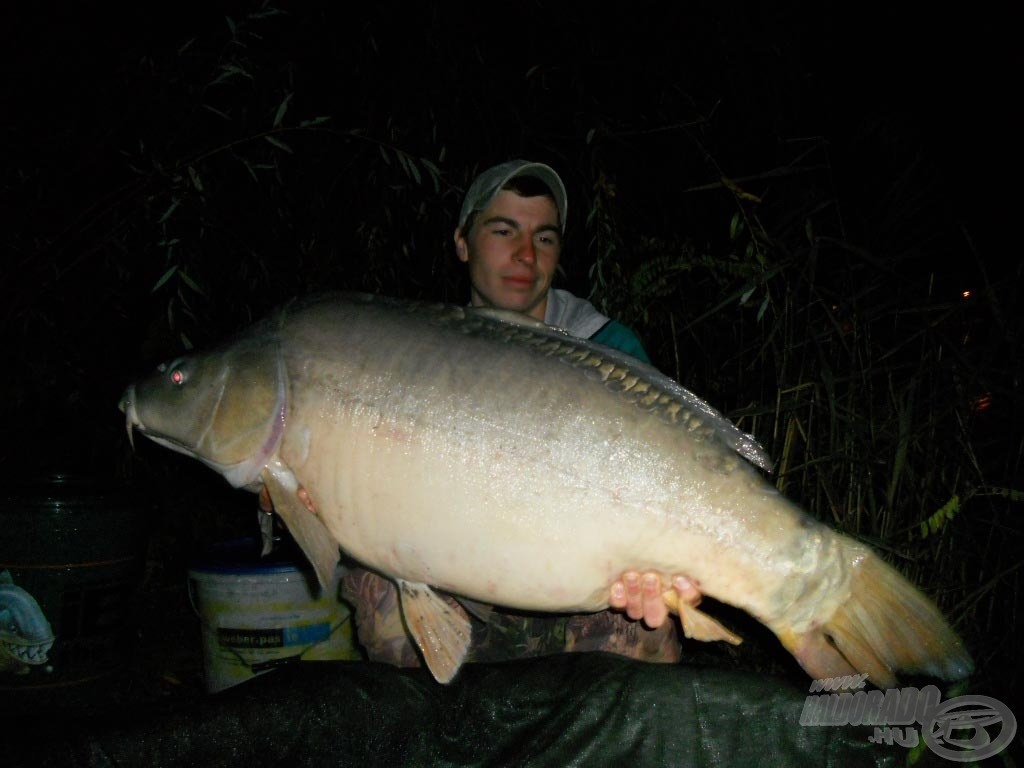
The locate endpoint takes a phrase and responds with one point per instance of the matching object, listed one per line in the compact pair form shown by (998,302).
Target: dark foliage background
(790,204)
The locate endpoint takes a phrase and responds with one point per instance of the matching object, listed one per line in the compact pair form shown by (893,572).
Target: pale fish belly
(465,507)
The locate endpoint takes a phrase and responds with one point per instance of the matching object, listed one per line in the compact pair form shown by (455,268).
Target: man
(510,237)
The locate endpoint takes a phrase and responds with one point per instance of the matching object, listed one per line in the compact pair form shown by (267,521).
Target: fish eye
(177,377)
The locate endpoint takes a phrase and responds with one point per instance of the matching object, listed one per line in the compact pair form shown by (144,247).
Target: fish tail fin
(884,626)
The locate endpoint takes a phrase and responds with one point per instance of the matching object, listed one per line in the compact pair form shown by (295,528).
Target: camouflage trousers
(505,634)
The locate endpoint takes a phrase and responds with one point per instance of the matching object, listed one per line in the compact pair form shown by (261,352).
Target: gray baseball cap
(489,183)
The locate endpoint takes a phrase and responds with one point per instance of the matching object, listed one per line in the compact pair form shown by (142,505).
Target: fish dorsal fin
(441,632)
(642,384)
(308,530)
(511,316)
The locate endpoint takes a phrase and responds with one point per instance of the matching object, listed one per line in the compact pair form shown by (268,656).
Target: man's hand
(639,595)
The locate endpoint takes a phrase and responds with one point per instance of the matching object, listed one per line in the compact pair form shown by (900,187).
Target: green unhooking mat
(585,709)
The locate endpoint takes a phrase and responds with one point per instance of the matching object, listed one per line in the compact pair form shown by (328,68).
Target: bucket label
(278,637)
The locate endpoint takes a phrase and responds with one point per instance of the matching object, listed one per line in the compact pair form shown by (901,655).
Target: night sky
(106,106)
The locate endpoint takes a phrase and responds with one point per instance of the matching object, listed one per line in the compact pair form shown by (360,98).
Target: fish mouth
(132,422)
(32,654)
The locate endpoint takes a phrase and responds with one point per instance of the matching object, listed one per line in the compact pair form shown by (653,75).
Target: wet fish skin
(493,458)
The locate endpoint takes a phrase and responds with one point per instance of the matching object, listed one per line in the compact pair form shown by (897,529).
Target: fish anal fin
(308,530)
(696,624)
(441,632)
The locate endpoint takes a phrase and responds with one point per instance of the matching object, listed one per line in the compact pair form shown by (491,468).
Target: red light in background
(981,403)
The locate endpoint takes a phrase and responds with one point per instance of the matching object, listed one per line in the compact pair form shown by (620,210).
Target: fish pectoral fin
(440,631)
(698,625)
(308,530)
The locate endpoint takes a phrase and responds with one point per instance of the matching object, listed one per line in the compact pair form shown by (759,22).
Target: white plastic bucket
(259,613)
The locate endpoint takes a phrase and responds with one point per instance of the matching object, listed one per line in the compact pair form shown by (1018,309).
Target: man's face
(512,251)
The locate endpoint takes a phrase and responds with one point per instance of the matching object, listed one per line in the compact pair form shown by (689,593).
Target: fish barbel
(487,456)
